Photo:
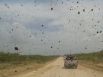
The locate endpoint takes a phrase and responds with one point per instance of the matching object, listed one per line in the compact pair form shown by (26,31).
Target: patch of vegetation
(95,56)
(7,59)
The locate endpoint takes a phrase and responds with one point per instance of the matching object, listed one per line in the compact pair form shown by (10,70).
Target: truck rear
(70,62)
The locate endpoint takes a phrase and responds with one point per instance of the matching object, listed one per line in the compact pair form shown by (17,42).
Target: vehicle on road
(70,61)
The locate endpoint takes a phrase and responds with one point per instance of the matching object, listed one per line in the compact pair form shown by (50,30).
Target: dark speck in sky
(78,12)
(12,30)
(21,5)
(62,2)
(83,10)
(100,31)
(42,32)
(42,25)
(6,5)
(16,48)
(91,9)
(41,39)
(30,36)
(0,18)
(77,1)
(80,24)
(85,47)
(51,8)
(98,21)
(59,41)
(97,32)
(51,47)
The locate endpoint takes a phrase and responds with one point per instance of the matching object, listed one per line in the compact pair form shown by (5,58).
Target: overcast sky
(72,26)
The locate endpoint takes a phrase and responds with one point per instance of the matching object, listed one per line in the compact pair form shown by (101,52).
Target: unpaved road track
(56,69)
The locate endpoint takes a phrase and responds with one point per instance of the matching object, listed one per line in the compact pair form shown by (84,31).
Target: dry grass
(11,64)
(92,60)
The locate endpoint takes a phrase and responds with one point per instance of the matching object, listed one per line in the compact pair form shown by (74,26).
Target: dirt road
(55,69)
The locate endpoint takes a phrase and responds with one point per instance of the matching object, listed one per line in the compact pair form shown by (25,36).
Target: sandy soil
(56,69)
(9,70)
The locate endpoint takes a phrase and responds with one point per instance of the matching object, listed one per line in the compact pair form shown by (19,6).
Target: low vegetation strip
(93,60)
(13,63)
(94,57)
(14,57)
